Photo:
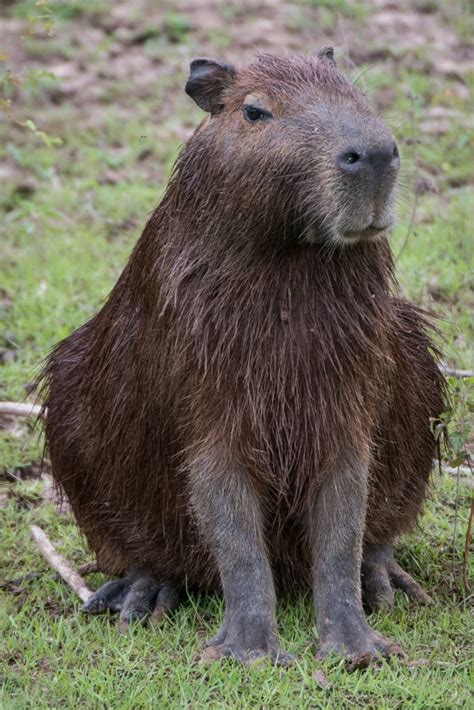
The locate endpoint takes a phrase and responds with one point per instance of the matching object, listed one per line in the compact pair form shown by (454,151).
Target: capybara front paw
(382,575)
(245,647)
(349,635)
(237,651)
(362,650)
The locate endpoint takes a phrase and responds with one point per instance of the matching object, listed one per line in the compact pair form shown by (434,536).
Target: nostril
(395,153)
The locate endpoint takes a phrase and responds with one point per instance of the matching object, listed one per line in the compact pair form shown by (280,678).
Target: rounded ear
(207,80)
(326,54)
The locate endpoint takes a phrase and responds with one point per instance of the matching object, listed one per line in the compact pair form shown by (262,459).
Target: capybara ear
(207,80)
(327,55)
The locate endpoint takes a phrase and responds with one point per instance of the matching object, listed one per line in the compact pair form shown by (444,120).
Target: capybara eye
(351,158)
(253,114)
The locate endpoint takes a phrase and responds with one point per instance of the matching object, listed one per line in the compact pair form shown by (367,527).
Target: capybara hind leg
(336,527)
(382,575)
(377,590)
(229,515)
(136,597)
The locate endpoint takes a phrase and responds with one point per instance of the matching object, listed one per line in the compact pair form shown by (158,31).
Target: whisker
(361,74)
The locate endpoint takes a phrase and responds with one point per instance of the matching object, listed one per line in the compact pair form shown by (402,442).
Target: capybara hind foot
(166,602)
(348,634)
(382,575)
(109,597)
(246,642)
(136,597)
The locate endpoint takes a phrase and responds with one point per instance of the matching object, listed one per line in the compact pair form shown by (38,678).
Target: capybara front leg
(228,514)
(337,521)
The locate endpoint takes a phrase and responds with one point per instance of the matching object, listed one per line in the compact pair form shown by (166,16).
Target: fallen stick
(458,470)
(60,564)
(20,409)
(453,372)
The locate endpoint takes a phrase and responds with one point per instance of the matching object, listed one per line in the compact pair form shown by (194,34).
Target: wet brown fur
(225,328)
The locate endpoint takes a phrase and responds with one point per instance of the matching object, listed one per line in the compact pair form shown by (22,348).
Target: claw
(237,641)
(108,598)
(216,652)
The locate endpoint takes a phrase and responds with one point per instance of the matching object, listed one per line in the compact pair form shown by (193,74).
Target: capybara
(250,409)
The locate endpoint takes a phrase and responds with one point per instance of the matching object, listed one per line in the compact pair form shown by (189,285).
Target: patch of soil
(120,55)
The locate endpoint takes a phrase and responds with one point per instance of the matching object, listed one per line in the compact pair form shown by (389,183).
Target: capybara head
(291,150)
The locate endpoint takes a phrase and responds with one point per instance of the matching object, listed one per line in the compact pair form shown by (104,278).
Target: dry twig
(60,564)
(460,374)
(20,409)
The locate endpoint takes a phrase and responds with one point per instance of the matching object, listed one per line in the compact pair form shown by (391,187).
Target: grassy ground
(107,80)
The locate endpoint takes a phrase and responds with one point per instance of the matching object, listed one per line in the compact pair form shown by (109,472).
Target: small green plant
(177,26)
(453,431)
(344,7)
(12,83)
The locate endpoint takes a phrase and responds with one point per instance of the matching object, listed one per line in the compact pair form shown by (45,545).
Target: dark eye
(253,114)
(351,158)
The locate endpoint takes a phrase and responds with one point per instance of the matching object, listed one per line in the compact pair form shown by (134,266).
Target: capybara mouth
(370,232)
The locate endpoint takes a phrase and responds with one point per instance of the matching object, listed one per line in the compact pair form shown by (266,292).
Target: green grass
(69,218)
(55,656)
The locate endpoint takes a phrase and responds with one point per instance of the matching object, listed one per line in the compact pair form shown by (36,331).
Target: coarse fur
(242,323)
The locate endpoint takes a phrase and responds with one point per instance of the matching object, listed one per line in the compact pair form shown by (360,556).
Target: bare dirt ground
(125,52)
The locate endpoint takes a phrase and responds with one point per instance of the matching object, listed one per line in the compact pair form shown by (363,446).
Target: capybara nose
(357,159)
